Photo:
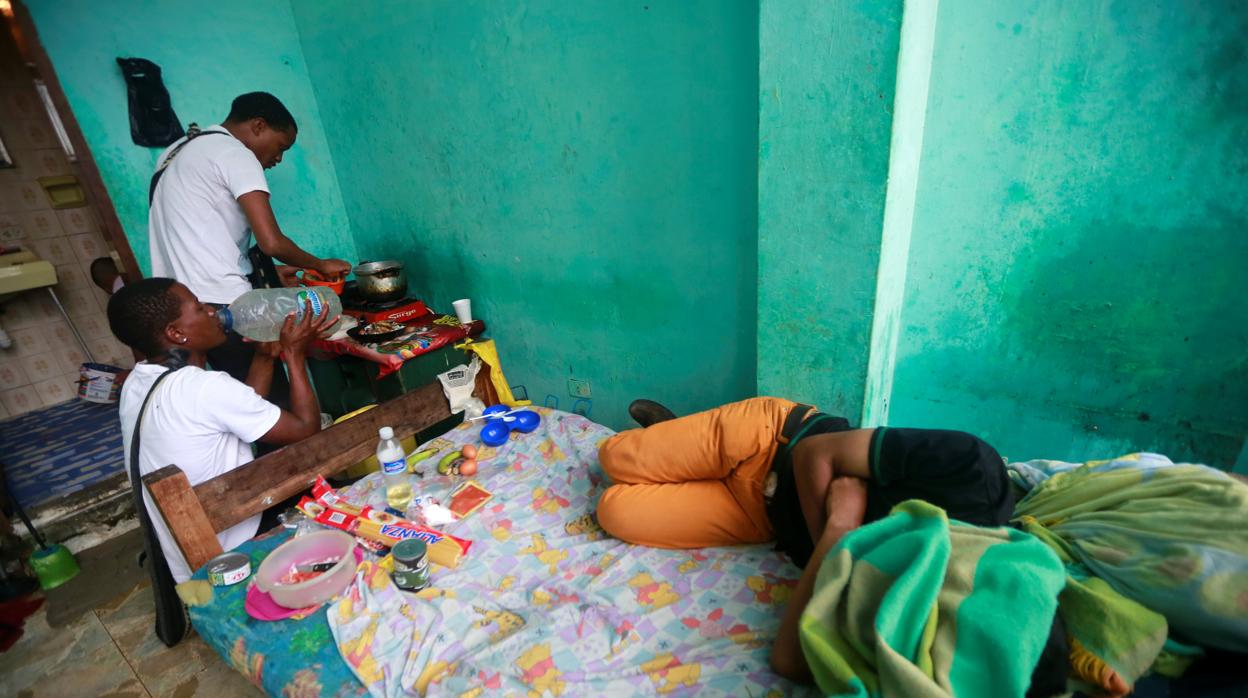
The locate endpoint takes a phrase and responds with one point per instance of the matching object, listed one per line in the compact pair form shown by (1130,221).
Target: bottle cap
(226,318)
(386,433)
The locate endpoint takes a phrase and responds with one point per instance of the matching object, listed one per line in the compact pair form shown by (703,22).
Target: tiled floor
(94,637)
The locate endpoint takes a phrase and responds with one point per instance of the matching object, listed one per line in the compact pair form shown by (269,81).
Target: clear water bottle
(258,315)
(394,470)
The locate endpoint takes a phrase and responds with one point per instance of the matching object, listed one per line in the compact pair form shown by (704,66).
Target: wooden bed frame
(196,514)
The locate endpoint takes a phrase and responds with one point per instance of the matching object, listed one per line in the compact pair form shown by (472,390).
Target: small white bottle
(394,470)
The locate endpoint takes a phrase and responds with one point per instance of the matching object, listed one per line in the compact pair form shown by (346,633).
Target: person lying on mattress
(771,469)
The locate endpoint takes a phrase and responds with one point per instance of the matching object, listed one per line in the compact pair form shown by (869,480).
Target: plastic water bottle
(259,314)
(394,470)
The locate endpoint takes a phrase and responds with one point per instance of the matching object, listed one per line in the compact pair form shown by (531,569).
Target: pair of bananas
(461,462)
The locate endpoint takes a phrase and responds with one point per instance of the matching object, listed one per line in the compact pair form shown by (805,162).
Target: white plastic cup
(463,309)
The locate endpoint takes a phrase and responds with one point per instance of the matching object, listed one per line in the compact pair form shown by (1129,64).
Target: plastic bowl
(526,421)
(309,277)
(495,432)
(304,549)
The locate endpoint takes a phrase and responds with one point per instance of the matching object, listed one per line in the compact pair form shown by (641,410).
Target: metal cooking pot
(381,281)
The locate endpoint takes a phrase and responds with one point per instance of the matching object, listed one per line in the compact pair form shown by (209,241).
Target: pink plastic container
(302,550)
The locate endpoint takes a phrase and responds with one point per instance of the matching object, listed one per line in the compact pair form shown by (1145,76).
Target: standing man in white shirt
(209,196)
(200,420)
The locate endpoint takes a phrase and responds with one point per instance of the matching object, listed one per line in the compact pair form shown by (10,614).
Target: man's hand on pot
(333,269)
(286,274)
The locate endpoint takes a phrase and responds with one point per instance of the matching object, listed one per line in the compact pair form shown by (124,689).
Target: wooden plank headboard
(196,514)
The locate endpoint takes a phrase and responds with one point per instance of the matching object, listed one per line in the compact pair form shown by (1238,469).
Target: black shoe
(647,412)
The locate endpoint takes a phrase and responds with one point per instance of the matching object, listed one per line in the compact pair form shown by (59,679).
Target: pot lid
(367,268)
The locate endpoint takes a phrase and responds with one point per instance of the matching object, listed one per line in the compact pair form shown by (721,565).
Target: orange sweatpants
(695,481)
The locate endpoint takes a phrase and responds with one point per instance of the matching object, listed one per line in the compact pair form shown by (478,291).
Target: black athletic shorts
(956,471)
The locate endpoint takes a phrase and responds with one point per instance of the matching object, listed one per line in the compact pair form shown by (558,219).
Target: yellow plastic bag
(489,355)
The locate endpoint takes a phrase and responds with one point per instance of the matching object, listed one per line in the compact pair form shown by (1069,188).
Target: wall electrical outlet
(579,388)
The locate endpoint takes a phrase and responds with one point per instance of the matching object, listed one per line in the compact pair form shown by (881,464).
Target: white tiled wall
(41,368)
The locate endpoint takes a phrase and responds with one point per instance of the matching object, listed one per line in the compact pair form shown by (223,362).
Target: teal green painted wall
(686,200)
(210,53)
(584,172)
(826,90)
(1077,282)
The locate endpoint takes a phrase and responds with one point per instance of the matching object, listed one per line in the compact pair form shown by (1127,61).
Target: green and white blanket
(1171,537)
(917,605)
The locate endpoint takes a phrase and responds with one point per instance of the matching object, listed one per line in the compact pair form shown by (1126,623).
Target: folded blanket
(918,605)
(1170,537)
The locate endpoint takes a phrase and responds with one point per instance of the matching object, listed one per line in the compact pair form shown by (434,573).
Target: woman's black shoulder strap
(172,622)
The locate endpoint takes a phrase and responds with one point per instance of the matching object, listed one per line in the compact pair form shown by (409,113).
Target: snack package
(342,521)
(325,493)
(383,528)
(469,497)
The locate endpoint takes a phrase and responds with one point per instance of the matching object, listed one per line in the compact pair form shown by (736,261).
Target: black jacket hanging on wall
(152,120)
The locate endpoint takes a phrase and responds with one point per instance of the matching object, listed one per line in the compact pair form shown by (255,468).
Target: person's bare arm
(274,243)
(848,504)
(260,375)
(304,417)
(818,460)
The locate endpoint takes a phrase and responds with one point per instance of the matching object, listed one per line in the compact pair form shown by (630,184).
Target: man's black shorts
(956,471)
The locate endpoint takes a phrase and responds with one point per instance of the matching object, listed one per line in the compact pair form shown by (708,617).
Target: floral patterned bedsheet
(544,603)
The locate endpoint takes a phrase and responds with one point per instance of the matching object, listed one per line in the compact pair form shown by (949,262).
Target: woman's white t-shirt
(198,233)
(201,421)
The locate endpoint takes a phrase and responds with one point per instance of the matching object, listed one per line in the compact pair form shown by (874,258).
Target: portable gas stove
(401,310)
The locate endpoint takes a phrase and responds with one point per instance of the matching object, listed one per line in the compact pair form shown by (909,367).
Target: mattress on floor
(60,450)
(544,602)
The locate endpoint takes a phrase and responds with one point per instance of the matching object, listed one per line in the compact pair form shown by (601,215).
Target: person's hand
(846,505)
(333,269)
(269,349)
(296,335)
(286,274)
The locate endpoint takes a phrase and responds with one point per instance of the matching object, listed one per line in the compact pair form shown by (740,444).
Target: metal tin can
(410,555)
(228,568)
(411,566)
(410,581)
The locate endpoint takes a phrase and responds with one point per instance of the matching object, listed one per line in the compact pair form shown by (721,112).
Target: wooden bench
(196,514)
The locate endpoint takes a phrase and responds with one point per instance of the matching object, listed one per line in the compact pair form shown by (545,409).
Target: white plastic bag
(458,383)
